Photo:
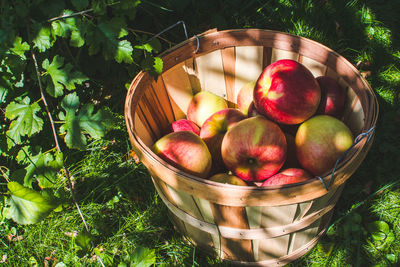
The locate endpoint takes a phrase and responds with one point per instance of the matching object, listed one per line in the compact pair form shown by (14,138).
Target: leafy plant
(55,58)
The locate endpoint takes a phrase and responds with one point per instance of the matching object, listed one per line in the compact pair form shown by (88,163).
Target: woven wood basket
(261,226)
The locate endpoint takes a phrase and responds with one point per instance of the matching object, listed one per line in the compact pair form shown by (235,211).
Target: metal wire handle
(357,140)
(184,29)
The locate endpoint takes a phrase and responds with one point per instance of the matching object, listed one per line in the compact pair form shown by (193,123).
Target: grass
(124,213)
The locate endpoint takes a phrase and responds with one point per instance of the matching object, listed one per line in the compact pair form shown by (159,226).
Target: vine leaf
(106,37)
(20,47)
(67,27)
(26,206)
(86,120)
(43,167)
(42,40)
(25,122)
(61,76)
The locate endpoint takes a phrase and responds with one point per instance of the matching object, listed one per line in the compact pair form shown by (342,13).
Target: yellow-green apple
(245,97)
(226,178)
(186,151)
(288,176)
(287,92)
(333,97)
(320,141)
(213,131)
(184,125)
(203,105)
(252,111)
(254,149)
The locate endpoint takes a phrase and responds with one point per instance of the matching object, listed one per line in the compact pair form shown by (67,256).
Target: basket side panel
(145,133)
(278,215)
(278,54)
(160,93)
(316,68)
(272,248)
(210,72)
(179,88)
(248,65)
(299,238)
(228,61)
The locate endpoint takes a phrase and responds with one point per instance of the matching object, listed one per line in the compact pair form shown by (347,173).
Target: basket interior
(223,72)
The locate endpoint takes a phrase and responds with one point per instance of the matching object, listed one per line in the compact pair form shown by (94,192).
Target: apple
(213,131)
(184,125)
(186,151)
(287,92)
(333,97)
(288,176)
(291,157)
(203,105)
(320,141)
(252,111)
(245,97)
(254,149)
(226,178)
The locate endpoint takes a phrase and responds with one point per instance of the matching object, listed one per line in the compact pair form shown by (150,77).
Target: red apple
(203,105)
(333,97)
(245,97)
(252,111)
(186,151)
(254,149)
(287,92)
(226,178)
(288,176)
(213,131)
(184,125)
(320,141)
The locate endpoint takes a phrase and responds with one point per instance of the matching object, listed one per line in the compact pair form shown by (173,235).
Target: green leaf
(158,65)
(378,226)
(44,167)
(26,206)
(83,240)
(86,121)
(43,40)
(20,47)
(124,52)
(143,257)
(25,122)
(76,39)
(61,76)
(63,27)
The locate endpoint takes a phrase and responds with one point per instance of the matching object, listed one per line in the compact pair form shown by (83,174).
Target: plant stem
(80,13)
(58,145)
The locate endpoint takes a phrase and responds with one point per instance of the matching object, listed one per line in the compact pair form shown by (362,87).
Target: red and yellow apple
(288,176)
(287,92)
(226,178)
(333,97)
(254,149)
(320,141)
(213,131)
(245,97)
(184,125)
(186,151)
(203,105)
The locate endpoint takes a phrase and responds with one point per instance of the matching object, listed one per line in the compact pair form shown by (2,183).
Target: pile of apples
(286,129)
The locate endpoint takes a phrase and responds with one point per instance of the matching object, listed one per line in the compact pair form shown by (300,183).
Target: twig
(80,13)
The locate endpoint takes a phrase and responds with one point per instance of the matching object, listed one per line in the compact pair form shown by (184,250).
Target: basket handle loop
(184,30)
(357,140)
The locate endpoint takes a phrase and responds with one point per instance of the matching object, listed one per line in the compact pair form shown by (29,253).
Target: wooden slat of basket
(248,66)
(210,72)
(316,68)
(228,61)
(234,217)
(148,136)
(179,88)
(190,69)
(273,248)
(160,94)
(278,54)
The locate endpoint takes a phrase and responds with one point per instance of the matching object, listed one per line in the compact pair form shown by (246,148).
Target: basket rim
(191,43)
